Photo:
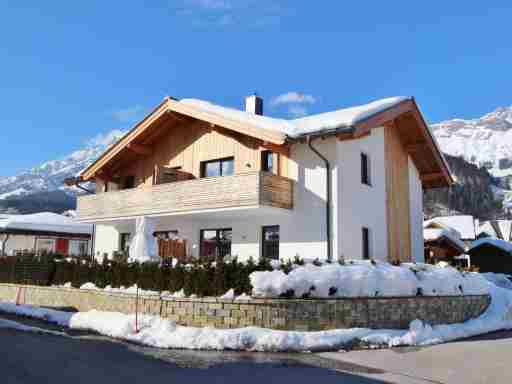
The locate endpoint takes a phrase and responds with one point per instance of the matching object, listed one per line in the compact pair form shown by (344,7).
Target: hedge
(199,278)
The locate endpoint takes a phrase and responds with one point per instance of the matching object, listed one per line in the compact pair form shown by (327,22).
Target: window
(366,243)
(128,182)
(165,235)
(45,246)
(365,169)
(221,167)
(215,243)
(267,160)
(78,248)
(124,242)
(270,242)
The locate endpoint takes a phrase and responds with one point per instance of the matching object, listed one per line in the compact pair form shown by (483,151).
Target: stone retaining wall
(286,314)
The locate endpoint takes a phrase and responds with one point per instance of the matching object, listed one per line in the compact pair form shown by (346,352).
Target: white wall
(18,243)
(416,212)
(303,229)
(106,242)
(360,205)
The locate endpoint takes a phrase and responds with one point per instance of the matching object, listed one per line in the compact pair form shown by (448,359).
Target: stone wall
(286,314)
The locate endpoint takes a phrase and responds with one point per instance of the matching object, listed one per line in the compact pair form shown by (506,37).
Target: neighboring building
(44,232)
(442,244)
(491,255)
(347,183)
(464,225)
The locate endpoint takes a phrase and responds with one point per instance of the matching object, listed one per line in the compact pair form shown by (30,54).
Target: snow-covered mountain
(485,141)
(48,178)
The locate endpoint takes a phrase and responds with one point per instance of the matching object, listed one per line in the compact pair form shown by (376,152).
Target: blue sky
(73,70)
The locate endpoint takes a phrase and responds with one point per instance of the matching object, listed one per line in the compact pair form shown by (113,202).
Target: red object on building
(62,247)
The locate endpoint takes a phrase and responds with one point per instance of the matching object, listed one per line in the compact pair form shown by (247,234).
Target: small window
(215,168)
(165,235)
(366,243)
(270,242)
(365,169)
(267,161)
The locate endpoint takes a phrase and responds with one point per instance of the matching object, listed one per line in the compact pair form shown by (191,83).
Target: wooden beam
(345,136)
(140,149)
(415,147)
(384,117)
(431,176)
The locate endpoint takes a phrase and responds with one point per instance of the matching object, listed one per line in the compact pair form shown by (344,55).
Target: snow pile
(499,279)
(366,279)
(162,333)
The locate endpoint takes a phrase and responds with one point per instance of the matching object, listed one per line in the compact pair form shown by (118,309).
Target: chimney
(254,104)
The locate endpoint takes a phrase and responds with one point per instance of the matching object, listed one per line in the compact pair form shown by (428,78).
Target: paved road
(80,357)
(483,359)
(28,358)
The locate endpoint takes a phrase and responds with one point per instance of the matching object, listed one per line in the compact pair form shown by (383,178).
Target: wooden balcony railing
(243,190)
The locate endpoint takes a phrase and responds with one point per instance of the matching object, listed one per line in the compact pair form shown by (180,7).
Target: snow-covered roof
(44,222)
(464,224)
(502,244)
(432,234)
(342,118)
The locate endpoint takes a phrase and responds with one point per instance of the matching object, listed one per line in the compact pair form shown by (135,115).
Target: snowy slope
(49,176)
(484,141)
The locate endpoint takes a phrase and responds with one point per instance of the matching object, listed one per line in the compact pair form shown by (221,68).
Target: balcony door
(270,242)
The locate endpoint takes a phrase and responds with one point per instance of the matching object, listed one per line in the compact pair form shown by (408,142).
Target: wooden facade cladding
(397,197)
(241,190)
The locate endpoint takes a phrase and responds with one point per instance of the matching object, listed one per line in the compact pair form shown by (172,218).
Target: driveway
(483,359)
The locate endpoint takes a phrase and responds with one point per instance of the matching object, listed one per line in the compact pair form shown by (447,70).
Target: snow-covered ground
(164,333)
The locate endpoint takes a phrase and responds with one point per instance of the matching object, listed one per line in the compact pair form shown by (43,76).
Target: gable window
(220,167)
(215,243)
(365,169)
(267,161)
(366,251)
(270,242)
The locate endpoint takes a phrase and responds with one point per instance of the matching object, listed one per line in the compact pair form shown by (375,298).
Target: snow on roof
(464,224)
(431,234)
(44,222)
(502,244)
(342,118)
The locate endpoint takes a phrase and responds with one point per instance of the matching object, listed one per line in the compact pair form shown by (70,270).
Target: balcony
(242,190)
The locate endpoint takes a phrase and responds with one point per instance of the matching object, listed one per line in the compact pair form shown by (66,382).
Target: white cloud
(293,98)
(103,139)
(211,4)
(223,13)
(129,114)
(297,111)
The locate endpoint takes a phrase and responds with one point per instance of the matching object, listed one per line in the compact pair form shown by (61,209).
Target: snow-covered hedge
(366,279)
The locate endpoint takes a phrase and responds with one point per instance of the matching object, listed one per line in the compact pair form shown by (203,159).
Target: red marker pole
(137,310)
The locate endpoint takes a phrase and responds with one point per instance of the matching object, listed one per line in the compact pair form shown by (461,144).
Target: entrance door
(62,246)
(270,242)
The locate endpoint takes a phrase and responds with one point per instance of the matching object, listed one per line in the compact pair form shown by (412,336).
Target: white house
(44,232)
(346,183)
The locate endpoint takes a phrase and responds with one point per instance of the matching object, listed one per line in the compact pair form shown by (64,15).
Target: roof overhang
(178,110)
(416,138)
